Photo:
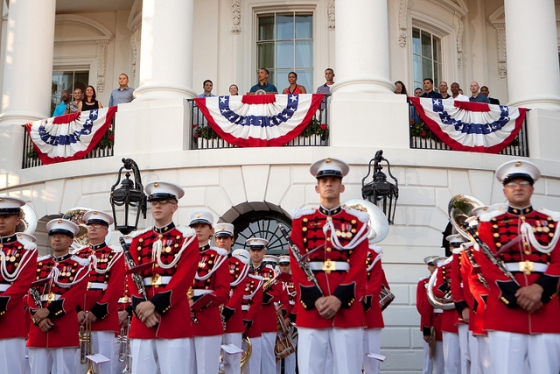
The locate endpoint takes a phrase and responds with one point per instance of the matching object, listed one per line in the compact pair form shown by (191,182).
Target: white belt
(201,292)
(97,286)
(245,307)
(526,266)
(46,297)
(438,311)
(124,300)
(163,280)
(4,287)
(329,266)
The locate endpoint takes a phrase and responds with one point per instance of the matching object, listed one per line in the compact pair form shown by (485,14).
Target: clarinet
(131,264)
(301,263)
(36,297)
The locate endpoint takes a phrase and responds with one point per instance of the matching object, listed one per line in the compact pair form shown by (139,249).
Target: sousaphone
(379,226)
(460,208)
(28,222)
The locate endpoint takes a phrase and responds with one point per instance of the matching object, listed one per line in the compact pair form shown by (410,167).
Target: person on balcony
(233,90)
(123,94)
(73,107)
(89,102)
(207,85)
(61,108)
(429,89)
(400,88)
(417,92)
(443,90)
(477,97)
(326,87)
(294,87)
(484,90)
(263,86)
(456,93)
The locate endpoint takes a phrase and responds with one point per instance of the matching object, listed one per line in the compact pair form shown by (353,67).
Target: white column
(532,54)
(362,47)
(26,89)
(166,53)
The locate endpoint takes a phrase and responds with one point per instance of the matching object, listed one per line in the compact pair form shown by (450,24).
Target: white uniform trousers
(509,351)
(464,348)
(102,342)
(207,353)
(346,345)
(435,365)
(268,357)
(232,363)
(372,344)
(12,352)
(451,352)
(165,356)
(254,365)
(328,361)
(52,360)
(481,360)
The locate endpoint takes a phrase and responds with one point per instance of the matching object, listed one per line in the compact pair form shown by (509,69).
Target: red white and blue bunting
(471,127)
(71,136)
(259,120)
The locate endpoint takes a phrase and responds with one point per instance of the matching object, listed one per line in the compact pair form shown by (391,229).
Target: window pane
(438,72)
(304,54)
(266,28)
(418,76)
(304,29)
(265,55)
(305,78)
(284,27)
(437,50)
(416,41)
(426,68)
(284,55)
(426,46)
(272,77)
(282,79)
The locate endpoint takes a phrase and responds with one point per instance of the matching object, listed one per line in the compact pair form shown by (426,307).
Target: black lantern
(379,191)
(129,195)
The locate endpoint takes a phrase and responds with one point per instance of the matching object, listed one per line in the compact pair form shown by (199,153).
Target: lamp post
(129,195)
(379,191)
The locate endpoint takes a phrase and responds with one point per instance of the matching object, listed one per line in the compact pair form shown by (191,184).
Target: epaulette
(76,250)
(27,244)
(220,251)
(457,251)
(446,262)
(492,211)
(300,212)
(359,214)
(43,258)
(81,261)
(186,231)
(423,278)
(140,232)
(115,248)
(551,213)
(377,249)
(257,277)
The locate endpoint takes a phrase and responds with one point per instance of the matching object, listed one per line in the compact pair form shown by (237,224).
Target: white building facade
(169,47)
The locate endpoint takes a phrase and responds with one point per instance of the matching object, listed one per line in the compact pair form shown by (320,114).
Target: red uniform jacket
(18,267)
(476,285)
(61,301)
(252,305)
(428,318)
(274,294)
(125,300)
(538,227)
(338,260)
(374,317)
(105,285)
(442,287)
(212,276)
(166,286)
(232,311)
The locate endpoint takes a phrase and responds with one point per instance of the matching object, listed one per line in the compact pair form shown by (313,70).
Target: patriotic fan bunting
(71,136)
(259,120)
(472,127)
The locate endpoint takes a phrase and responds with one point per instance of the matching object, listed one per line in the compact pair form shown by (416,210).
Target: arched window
(426,57)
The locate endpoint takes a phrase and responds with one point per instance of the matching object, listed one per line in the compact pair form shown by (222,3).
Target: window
(285,44)
(426,52)
(67,80)
(263,224)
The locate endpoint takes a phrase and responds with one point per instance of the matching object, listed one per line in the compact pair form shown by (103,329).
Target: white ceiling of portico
(82,6)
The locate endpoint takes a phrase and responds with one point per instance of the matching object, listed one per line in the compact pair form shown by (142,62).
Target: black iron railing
(204,137)
(103,149)
(421,137)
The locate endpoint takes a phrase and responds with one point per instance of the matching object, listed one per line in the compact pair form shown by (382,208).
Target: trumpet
(124,347)
(85,344)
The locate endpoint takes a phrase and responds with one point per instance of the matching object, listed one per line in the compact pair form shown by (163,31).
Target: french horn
(379,226)
(28,222)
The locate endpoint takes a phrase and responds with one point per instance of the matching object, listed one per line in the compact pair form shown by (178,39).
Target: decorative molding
(5,9)
(403,24)
(459,30)
(236,15)
(101,49)
(331,14)
(135,43)
(498,21)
